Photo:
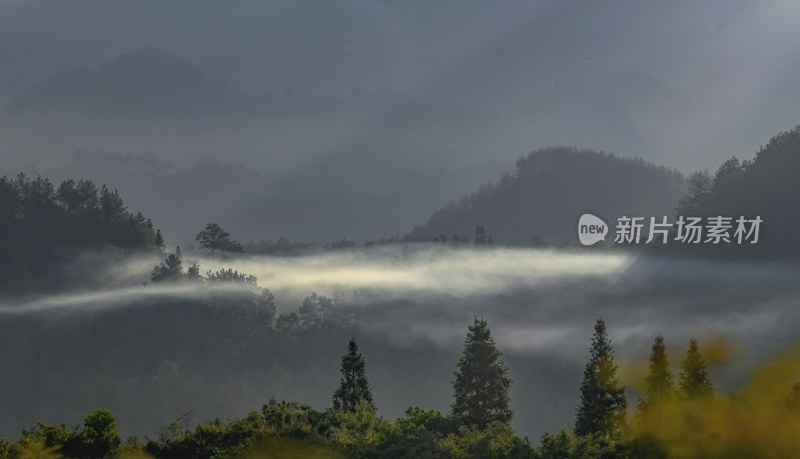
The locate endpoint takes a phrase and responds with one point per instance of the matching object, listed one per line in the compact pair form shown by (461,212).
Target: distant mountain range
(362,166)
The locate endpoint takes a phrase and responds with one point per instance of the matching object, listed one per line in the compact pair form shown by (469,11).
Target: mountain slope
(550,188)
(145,82)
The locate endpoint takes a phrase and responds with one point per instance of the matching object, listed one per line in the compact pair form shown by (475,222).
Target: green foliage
(481,383)
(496,440)
(97,438)
(353,386)
(413,435)
(357,431)
(602,406)
(694,382)
(567,445)
(292,419)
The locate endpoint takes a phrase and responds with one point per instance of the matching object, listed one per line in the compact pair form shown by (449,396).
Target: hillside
(765,186)
(549,189)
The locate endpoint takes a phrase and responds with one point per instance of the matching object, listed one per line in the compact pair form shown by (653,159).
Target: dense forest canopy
(43,227)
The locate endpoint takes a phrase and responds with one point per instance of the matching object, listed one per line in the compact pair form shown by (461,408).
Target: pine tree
(603,406)
(659,383)
(159,240)
(694,382)
(170,269)
(481,383)
(214,238)
(353,387)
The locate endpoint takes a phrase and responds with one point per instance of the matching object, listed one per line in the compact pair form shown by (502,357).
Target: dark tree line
(44,226)
(478,425)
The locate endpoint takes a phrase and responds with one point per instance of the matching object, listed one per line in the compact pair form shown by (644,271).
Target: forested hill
(47,232)
(766,186)
(549,189)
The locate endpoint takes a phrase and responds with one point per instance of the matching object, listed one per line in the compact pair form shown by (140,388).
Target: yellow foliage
(754,421)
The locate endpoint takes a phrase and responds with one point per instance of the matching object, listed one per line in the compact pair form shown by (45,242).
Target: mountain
(254,205)
(142,83)
(549,189)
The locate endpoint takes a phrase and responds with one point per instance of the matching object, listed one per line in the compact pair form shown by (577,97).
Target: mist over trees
(44,227)
(476,427)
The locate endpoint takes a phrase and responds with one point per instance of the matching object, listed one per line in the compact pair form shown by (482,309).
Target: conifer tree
(694,382)
(481,383)
(170,269)
(659,384)
(159,240)
(353,386)
(602,406)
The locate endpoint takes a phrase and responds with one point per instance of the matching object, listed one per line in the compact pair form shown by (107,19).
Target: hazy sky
(736,61)
(459,89)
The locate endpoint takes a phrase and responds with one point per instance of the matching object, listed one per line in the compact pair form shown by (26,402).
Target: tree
(694,382)
(159,240)
(193,273)
(481,237)
(214,238)
(99,437)
(353,386)
(602,405)
(659,383)
(315,311)
(481,383)
(696,202)
(169,270)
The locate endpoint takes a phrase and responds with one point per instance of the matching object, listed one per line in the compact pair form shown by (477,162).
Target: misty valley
(545,229)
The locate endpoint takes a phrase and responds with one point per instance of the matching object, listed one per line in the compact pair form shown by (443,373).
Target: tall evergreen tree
(603,406)
(659,384)
(353,386)
(481,383)
(694,382)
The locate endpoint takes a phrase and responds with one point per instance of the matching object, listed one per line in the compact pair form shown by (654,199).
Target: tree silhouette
(169,270)
(659,384)
(694,382)
(214,238)
(481,237)
(481,383)
(602,405)
(353,386)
